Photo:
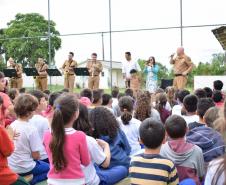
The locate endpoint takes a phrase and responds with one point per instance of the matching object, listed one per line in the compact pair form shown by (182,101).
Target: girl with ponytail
(66,148)
(129,125)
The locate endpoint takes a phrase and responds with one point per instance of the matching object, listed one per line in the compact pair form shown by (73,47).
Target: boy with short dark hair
(209,92)
(97,98)
(187,157)
(150,167)
(180,97)
(200,93)
(190,105)
(218,98)
(218,85)
(202,106)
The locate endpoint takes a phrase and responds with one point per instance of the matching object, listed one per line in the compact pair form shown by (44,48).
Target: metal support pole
(181,23)
(102,37)
(49,38)
(110,40)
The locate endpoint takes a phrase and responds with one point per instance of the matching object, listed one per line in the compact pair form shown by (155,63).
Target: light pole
(49,39)
(181,23)
(110,41)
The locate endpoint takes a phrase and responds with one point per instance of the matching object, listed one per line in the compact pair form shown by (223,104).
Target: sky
(77,16)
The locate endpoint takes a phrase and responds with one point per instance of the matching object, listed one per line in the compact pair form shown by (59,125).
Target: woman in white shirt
(129,125)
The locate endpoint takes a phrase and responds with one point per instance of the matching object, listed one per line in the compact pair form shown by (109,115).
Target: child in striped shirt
(150,167)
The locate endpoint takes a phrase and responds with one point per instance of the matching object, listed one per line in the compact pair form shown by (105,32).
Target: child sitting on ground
(38,121)
(98,171)
(129,125)
(66,148)
(187,157)
(150,167)
(190,106)
(7,176)
(107,128)
(25,159)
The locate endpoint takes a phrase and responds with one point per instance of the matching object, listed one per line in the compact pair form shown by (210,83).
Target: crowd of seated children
(128,124)
(109,130)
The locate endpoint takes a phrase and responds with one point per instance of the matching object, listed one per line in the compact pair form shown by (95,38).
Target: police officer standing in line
(41,80)
(16,82)
(95,68)
(69,74)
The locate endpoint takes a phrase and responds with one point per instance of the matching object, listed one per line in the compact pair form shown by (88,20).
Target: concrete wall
(207,81)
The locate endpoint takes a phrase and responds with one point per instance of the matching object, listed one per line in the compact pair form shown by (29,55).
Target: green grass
(54,88)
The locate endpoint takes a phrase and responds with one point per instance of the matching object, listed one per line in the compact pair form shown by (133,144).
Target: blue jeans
(112,175)
(187,182)
(39,172)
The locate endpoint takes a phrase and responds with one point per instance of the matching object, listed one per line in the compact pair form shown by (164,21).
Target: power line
(117,31)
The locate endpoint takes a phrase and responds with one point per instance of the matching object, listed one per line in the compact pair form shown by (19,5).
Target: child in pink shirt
(66,148)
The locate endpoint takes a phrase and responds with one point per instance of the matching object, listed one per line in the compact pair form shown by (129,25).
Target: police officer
(41,80)
(69,74)
(182,65)
(95,68)
(17,81)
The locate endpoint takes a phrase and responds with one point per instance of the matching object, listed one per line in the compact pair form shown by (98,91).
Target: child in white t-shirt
(129,125)
(25,158)
(39,122)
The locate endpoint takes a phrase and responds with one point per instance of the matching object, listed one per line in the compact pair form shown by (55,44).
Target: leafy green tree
(215,67)
(27,50)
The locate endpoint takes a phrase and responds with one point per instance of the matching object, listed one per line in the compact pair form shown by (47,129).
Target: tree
(27,50)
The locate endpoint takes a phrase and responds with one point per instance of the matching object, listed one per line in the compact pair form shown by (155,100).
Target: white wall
(207,81)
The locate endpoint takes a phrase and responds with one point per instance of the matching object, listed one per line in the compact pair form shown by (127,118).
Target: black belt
(178,75)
